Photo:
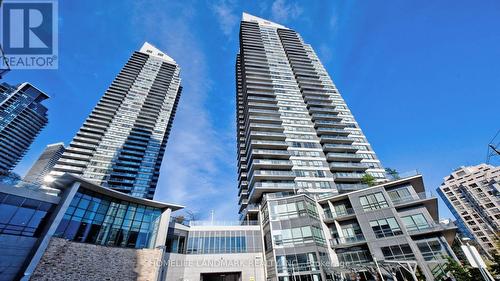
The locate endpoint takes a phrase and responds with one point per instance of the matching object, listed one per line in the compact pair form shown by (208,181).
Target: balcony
(347,241)
(264,112)
(323,116)
(268,144)
(348,166)
(270,153)
(271,164)
(346,187)
(323,110)
(272,175)
(265,119)
(323,130)
(435,226)
(335,147)
(412,198)
(332,156)
(267,136)
(346,213)
(266,127)
(336,139)
(329,123)
(348,176)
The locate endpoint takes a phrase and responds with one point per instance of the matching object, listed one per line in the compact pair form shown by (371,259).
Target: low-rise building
(86,232)
(392,228)
(213,251)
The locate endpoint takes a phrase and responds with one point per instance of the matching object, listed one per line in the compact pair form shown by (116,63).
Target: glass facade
(97,219)
(22,216)
(122,143)
(223,242)
(22,117)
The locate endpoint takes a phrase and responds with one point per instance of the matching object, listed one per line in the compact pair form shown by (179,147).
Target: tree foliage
(368,179)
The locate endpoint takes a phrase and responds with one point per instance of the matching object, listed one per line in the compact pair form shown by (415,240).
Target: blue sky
(421,78)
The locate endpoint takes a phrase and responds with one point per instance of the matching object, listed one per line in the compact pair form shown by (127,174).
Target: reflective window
(22,216)
(97,219)
(385,227)
(373,201)
(432,249)
(415,222)
(297,263)
(398,252)
(223,242)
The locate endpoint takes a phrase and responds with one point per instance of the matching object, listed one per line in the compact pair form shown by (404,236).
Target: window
(415,222)
(228,241)
(353,256)
(399,194)
(432,249)
(385,227)
(373,201)
(299,235)
(22,216)
(297,262)
(96,219)
(398,252)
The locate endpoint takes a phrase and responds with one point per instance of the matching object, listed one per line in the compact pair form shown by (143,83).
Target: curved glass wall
(97,219)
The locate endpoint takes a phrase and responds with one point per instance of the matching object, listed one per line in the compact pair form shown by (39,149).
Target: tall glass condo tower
(294,132)
(122,142)
(22,117)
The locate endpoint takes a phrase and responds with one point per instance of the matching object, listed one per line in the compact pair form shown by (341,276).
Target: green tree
(457,270)
(393,173)
(368,179)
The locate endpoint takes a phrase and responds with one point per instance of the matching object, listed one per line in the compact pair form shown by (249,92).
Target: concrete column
(161,236)
(53,223)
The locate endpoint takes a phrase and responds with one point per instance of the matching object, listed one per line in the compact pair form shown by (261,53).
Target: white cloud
(194,171)
(325,53)
(226,17)
(282,11)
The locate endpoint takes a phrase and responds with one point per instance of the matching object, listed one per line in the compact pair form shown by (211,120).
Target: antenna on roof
(493,148)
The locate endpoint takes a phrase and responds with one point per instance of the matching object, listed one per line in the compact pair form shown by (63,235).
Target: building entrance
(226,276)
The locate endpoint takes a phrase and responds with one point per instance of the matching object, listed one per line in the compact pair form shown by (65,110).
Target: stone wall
(66,260)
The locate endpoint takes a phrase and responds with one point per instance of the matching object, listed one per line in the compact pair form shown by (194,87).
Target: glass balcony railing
(412,197)
(350,187)
(222,223)
(339,214)
(430,227)
(273,173)
(334,155)
(285,185)
(348,175)
(347,240)
(348,165)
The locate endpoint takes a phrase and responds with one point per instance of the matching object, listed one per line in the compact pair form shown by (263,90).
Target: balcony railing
(412,197)
(222,223)
(350,187)
(430,227)
(338,214)
(347,240)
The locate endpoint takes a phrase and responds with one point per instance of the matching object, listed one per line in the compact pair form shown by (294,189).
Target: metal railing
(222,223)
